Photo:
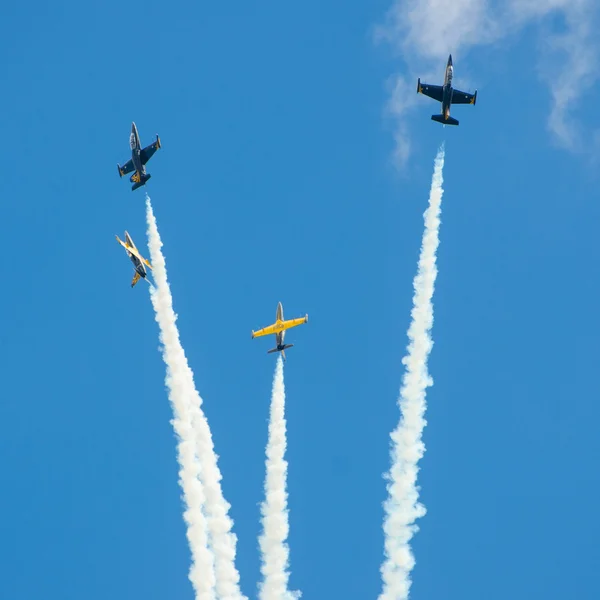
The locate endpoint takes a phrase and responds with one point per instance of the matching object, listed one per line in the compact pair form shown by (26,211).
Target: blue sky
(276,181)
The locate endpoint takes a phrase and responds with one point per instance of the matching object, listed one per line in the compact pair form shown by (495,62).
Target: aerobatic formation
(137,163)
(213,573)
(445,94)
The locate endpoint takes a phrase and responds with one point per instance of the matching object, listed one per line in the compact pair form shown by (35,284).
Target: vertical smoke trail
(275,552)
(181,388)
(402,507)
(221,540)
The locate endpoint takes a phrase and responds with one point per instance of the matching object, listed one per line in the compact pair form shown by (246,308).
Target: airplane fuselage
(447,89)
(138,265)
(136,150)
(279,337)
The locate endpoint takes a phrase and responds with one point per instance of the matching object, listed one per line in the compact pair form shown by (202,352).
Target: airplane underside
(447,95)
(139,157)
(279,328)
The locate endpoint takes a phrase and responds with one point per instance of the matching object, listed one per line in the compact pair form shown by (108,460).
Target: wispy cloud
(424,32)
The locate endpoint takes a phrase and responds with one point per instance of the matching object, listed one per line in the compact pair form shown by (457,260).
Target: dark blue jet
(447,95)
(139,157)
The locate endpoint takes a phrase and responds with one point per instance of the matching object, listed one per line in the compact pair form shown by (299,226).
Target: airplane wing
(433,91)
(265,331)
(294,322)
(135,279)
(459,97)
(147,153)
(126,168)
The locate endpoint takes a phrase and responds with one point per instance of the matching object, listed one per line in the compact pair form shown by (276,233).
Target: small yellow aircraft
(136,258)
(278,328)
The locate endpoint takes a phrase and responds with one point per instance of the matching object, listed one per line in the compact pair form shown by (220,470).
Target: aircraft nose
(450,60)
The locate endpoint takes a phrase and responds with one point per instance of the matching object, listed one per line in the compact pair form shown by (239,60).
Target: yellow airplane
(278,328)
(136,258)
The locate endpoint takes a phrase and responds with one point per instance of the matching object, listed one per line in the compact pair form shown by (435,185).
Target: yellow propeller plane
(136,258)
(278,328)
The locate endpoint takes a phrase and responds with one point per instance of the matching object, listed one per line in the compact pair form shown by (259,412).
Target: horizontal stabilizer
(139,184)
(284,347)
(448,121)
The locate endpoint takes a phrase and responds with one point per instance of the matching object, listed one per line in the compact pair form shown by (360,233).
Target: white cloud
(401,100)
(424,32)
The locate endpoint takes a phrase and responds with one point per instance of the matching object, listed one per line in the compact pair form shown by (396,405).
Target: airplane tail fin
(283,350)
(448,121)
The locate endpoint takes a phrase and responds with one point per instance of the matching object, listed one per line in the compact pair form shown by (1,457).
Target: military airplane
(137,259)
(139,157)
(447,95)
(278,328)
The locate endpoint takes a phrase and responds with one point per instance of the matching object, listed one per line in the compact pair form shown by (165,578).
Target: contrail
(402,507)
(181,389)
(275,552)
(221,540)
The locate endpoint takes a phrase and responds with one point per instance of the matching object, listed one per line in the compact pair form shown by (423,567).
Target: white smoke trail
(402,507)
(221,540)
(275,552)
(181,388)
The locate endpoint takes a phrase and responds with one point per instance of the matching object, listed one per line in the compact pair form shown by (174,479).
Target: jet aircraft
(278,328)
(447,95)
(139,157)
(137,259)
